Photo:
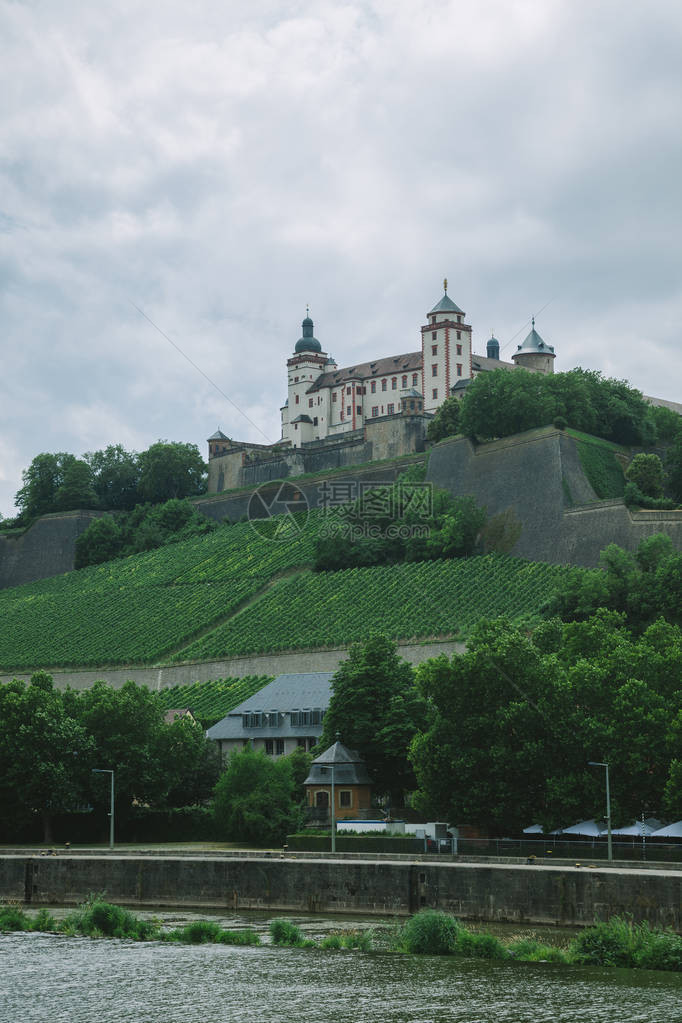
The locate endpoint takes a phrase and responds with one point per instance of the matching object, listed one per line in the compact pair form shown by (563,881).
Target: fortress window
(346,797)
(269,747)
(383,385)
(375,410)
(373,385)
(390,410)
(459,369)
(280,747)
(434,335)
(359,410)
(434,370)
(349,411)
(459,349)
(310,402)
(434,349)
(334,396)
(314,420)
(348,390)
(414,379)
(435,392)
(394,383)
(459,318)
(405,381)
(459,335)
(295,380)
(297,399)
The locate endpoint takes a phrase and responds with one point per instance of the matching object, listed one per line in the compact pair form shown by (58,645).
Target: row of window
(274,718)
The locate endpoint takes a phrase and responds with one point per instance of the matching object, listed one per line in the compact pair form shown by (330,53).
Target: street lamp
(331,768)
(594,763)
(104,770)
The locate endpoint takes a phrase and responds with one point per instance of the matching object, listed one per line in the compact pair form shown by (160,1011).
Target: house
(284,715)
(342,771)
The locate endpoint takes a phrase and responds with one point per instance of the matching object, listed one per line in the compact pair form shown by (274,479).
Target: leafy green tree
(376,709)
(116,474)
(500,403)
(445,423)
(42,480)
(76,489)
(170,470)
(646,472)
(100,542)
(190,761)
(673,469)
(255,799)
(45,754)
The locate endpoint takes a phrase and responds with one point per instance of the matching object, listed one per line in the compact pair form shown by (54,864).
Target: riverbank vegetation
(617,942)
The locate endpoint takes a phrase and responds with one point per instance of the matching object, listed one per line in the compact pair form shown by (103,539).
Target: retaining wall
(489,892)
(44,550)
(235,667)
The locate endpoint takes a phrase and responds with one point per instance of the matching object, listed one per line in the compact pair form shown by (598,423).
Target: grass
(604,472)
(618,942)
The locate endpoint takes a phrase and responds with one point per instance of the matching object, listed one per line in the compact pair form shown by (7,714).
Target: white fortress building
(324,401)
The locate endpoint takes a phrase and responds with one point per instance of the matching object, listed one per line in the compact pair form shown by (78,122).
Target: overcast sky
(220,165)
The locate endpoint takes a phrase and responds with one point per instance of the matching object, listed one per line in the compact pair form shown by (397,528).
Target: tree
(255,799)
(191,764)
(171,469)
(76,489)
(42,480)
(116,475)
(100,542)
(500,403)
(673,469)
(646,472)
(376,709)
(445,423)
(45,755)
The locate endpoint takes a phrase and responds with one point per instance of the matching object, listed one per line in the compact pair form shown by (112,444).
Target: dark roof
(294,691)
(308,343)
(446,305)
(392,364)
(179,712)
(482,363)
(302,419)
(349,767)
(534,345)
(218,435)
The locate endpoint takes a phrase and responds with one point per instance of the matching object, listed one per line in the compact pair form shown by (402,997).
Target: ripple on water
(77,980)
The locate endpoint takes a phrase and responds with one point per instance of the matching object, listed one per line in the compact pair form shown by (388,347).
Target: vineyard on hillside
(138,609)
(233,592)
(211,701)
(408,601)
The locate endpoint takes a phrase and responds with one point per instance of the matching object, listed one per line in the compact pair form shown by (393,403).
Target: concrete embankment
(518,893)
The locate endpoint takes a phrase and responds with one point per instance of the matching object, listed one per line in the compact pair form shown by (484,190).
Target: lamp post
(331,768)
(104,770)
(594,763)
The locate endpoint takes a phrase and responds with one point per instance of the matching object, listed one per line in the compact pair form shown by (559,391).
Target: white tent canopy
(671,831)
(589,829)
(533,829)
(638,829)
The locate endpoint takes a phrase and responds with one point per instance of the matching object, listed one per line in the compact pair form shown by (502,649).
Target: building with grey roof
(284,715)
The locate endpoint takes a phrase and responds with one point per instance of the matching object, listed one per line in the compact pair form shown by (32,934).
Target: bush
(431,933)
(560,423)
(530,950)
(646,472)
(103,919)
(13,919)
(43,921)
(284,932)
(634,497)
(483,946)
(611,943)
(201,932)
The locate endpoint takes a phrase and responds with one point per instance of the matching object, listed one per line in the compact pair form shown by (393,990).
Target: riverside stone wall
(491,892)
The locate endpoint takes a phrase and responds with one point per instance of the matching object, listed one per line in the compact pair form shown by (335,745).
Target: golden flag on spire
(445,285)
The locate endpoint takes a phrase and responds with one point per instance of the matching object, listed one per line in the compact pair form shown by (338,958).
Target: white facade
(325,401)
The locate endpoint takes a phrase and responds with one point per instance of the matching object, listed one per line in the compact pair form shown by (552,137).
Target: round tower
(535,354)
(493,348)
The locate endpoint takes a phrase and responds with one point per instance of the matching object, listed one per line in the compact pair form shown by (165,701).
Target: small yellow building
(343,772)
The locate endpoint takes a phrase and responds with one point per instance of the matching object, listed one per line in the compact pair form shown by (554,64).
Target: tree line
(113,479)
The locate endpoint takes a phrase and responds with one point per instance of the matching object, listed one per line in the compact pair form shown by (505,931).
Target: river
(48,978)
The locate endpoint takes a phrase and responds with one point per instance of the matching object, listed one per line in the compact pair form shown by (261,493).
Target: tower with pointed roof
(534,353)
(303,417)
(446,351)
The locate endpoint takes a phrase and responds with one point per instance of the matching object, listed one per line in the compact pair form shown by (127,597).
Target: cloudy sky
(220,165)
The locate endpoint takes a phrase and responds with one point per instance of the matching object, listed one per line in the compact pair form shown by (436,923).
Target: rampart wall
(44,550)
(492,892)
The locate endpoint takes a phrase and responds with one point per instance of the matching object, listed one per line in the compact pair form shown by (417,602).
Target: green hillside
(234,591)
(210,701)
(409,601)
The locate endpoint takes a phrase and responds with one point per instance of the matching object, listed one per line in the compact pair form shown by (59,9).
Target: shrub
(431,933)
(202,932)
(13,919)
(103,919)
(43,921)
(483,946)
(331,941)
(530,950)
(646,472)
(661,950)
(611,943)
(361,940)
(634,496)
(284,932)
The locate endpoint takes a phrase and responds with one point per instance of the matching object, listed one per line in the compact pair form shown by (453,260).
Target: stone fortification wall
(235,506)
(530,475)
(44,550)
(471,891)
(380,438)
(234,667)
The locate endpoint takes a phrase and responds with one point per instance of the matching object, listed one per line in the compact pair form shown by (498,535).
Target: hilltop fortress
(370,411)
